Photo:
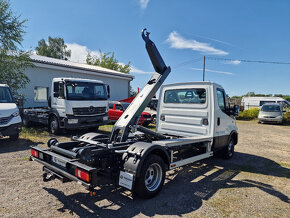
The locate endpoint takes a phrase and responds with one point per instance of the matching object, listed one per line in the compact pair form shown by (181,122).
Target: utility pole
(203,67)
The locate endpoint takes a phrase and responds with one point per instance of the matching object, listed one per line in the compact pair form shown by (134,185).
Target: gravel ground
(255,183)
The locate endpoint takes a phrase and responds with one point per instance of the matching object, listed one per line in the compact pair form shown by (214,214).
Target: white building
(46,68)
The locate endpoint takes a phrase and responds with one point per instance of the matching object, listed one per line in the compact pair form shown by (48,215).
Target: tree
(132,92)
(13,61)
(55,48)
(108,60)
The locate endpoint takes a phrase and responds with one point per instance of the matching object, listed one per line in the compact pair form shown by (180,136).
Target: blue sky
(183,30)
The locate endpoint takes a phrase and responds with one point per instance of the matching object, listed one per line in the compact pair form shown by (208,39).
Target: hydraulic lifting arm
(130,116)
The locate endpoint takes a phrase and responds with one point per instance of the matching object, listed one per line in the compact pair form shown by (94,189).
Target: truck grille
(84,111)
(5,120)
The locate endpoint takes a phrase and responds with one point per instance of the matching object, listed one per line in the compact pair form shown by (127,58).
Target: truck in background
(258,102)
(73,104)
(10,120)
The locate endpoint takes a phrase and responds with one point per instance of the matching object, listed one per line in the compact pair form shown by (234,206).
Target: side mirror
(55,94)
(108,91)
(235,110)
(17,101)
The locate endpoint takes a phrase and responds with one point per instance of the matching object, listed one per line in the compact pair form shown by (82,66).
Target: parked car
(116,109)
(271,112)
(10,120)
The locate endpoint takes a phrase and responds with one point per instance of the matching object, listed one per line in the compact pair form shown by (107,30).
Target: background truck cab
(74,103)
(196,109)
(10,120)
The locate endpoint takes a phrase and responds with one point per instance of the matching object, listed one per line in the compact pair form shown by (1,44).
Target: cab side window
(58,88)
(221,100)
(119,107)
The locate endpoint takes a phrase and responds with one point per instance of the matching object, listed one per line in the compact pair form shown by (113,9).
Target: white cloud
(79,52)
(143,3)
(214,71)
(79,55)
(178,42)
(233,62)
(138,71)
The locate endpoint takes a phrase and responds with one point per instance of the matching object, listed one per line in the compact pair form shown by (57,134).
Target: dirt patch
(254,183)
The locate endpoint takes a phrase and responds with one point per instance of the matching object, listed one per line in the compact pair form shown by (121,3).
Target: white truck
(10,120)
(193,122)
(258,102)
(74,104)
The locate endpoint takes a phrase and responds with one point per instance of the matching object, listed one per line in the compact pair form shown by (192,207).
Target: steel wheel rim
(153,177)
(230,148)
(53,124)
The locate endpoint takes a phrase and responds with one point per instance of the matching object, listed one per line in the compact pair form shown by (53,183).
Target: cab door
(224,124)
(58,98)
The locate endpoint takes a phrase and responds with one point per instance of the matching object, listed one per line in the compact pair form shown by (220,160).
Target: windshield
(5,95)
(85,91)
(125,105)
(271,108)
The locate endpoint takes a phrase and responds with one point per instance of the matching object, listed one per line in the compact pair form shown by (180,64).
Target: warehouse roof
(79,66)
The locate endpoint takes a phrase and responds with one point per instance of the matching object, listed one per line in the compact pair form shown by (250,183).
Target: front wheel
(229,150)
(152,176)
(54,125)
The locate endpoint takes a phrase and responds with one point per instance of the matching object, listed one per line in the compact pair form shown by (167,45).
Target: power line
(187,62)
(247,61)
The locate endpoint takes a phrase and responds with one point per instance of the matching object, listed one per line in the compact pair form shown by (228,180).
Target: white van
(10,120)
(258,102)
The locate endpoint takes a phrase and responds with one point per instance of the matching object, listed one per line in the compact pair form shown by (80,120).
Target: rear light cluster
(82,174)
(36,154)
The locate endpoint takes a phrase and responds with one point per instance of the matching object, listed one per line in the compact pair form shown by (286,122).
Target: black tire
(14,137)
(152,176)
(146,123)
(26,122)
(54,125)
(94,129)
(229,150)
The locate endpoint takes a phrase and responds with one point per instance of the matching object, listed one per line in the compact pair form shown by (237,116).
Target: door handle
(218,121)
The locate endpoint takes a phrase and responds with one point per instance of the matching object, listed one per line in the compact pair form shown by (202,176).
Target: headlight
(15,114)
(279,117)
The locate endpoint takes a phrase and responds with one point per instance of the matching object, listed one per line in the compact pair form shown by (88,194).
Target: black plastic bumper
(84,122)
(13,129)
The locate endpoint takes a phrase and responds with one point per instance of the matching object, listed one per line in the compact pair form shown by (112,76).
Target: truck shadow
(185,189)
(6,145)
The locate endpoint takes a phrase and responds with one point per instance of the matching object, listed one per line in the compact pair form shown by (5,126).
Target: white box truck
(10,120)
(258,102)
(193,122)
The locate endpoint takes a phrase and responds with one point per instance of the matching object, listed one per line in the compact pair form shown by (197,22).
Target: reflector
(82,174)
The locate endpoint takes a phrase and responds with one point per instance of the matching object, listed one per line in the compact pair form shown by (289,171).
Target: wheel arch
(234,135)
(138,152)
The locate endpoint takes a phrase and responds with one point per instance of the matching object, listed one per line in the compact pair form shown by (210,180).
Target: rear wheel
(152,176)
(14,137)
(54,125)
(229,150)
(94,129)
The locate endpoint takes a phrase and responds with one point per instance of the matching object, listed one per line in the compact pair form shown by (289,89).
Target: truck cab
(78,103)
(10,120)
(196,109)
